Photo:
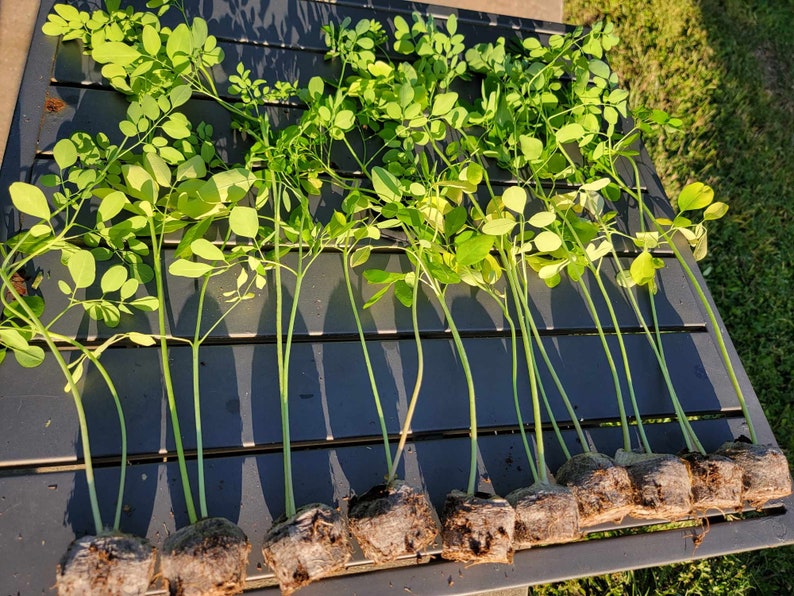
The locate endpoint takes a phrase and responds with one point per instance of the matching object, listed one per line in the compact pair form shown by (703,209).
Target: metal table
(43,498)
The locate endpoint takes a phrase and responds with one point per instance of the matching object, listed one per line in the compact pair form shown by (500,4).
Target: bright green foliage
(551,116)
(139,55)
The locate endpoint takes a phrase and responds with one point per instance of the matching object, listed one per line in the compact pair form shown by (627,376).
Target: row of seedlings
(294,160)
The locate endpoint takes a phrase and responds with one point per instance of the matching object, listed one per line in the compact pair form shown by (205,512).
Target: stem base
(765,472)
(716,482)
(662,485)
(545,514)
(208,558)
(602,488)
(107,565)
(306,547)
(390,521)
(477,528)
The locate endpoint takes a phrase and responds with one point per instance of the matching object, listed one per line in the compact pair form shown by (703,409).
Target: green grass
(726,68)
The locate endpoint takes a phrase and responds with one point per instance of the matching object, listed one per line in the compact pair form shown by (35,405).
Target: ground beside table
(43,503)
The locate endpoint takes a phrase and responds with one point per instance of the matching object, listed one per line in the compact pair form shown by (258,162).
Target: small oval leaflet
(547,241)
(82,268)
(65,153)
(569,132)
(695,196)
(386,184)
(113,278)
(515,199)
(185,268)
(244,221)
(205,249)
(29,199)
(542,219)
(498,227)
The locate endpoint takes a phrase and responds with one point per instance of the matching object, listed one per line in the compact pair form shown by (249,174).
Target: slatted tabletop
(337,449)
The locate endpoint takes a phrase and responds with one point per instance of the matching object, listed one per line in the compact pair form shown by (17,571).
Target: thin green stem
(625,358)
(282,359)
(718,335)
(420,368)
(122,430)
(464,361)
(365,352)
(194,350)
(691,439)
(76,397)
(169,387)
(514,377)
(624,423)
(550,412)
(529,355)
(524,297)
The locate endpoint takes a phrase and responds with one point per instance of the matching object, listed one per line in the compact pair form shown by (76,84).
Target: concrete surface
(17,19)
(542,10)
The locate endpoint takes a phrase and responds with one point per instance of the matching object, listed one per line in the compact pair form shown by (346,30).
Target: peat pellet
(107,565)
(306,547)
(477,528)
(765,472)
(601,487)
(717,482)
(661,485)
(390,521)
(208,558)
(545,514)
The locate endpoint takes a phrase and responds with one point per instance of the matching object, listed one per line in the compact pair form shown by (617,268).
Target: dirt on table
(389,521)
(545,514)
(477,528)
(306,547)
(208,558)
(107,565)
(601,487)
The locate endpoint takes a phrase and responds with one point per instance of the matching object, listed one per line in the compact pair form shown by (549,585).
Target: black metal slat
(324,306)
(330,397)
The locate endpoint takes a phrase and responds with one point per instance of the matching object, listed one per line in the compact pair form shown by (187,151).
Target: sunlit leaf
(185,268)
(386,184)
(82,268)
(244,221)
(29,199)
(515,199)
(695,196)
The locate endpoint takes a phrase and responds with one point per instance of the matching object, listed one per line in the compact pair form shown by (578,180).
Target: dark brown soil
(545,514)
(208,558)
(764,468)
(54,105)
(306,547)
(109,565)
(391,521)
(477,528)
(661,484)
(601,487)
(716,482)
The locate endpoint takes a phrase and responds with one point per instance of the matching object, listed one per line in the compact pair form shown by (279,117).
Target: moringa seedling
(108,562)
(391,519)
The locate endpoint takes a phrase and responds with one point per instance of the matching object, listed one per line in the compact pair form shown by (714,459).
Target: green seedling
(76,224)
